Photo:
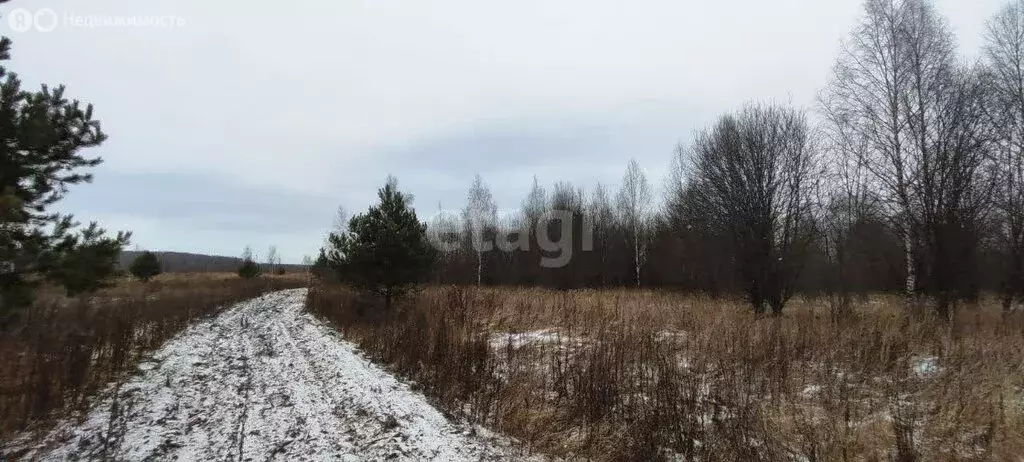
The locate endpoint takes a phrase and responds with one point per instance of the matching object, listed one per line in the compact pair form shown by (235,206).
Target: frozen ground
(265,380)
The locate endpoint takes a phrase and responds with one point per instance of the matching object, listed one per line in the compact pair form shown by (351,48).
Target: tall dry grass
(65,350)
(642,375)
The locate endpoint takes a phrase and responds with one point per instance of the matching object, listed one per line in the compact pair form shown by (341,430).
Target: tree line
(907,176)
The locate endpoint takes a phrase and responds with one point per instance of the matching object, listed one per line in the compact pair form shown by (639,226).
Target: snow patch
(518,340)
(925,366)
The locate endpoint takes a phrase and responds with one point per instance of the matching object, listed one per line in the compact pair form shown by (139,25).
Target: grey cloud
(201,201)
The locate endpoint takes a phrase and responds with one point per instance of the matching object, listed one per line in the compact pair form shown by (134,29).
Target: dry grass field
(641,375)
(64,351)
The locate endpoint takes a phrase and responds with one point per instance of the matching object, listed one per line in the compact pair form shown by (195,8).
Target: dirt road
(266,380)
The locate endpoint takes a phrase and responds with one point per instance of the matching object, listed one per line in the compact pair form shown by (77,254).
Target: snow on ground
(266,380)
(516,340)
(925,366)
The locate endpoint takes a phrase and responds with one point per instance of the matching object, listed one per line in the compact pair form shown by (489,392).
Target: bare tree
(533,207)
(703,257)
(248,254)
(845,199)
(600,214)
(1004,56)
(957,187)
(568,227)
(307,267)
(754,173)
(634,209)
(273,259)
(445,232)
(338,225)
(535,202)
(340,219)
(481,215)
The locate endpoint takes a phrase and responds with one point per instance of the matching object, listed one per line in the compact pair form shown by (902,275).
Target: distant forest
(182,262)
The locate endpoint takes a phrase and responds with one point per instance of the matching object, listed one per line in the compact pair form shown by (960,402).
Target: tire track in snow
(265,381)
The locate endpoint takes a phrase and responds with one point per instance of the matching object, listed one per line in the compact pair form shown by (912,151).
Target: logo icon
(22,20)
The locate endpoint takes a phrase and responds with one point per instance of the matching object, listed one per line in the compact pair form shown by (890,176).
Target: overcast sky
(235,123)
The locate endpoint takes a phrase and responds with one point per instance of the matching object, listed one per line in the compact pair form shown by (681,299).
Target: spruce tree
(385,251)
(145,266)
(41,136)
(249,269)
(321,268)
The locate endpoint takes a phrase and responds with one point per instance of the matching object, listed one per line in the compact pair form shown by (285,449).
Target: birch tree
(866,100)
(634,209)
(481,215)
(898,88)
(273,260)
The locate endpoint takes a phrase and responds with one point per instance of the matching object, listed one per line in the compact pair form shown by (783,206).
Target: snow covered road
(266,380)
